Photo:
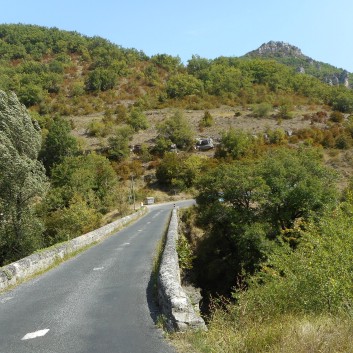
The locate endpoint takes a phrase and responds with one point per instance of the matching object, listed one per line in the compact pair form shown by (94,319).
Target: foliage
(98,128)
(175,130)
(167,62)
(288,333)
(137,120)
(246,207)
(314,278)
(100,80)
(185,254)
(181,85)
(262,110)
(179,170)
(69,222)
(22,180)
(58,144)
(236,144)
(43,64)
(206,121)
(83,188)
(118,144)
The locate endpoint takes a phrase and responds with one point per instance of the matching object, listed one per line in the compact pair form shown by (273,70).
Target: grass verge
(283,334)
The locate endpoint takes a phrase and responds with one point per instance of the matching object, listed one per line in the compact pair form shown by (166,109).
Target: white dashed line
(125,244)
(98,268)
(36,334)
(2,301)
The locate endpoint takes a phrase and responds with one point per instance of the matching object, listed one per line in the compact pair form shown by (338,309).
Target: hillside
(97,84)
(59,72)
(292,56)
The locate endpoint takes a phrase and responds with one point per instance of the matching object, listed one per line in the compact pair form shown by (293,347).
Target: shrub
(336,117)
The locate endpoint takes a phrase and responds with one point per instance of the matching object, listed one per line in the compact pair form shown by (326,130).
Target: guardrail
(174,302)
(18,271)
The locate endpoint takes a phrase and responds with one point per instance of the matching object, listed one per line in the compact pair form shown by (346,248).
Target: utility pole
(133,190)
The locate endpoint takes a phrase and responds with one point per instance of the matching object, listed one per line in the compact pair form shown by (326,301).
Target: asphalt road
(101,301)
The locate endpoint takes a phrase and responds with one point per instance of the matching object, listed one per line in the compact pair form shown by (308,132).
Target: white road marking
(125,244)
(36,334)
(148,222)
(2,301)
(140,230)
(98,268)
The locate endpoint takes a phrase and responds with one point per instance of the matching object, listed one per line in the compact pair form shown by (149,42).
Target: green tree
(22,180)
(206,121)
(313,279)
(137,120)
(167,62)
(236,143)
(176,130)
(59,143)
(31,94)
(83,188)
(101,79)
(299,185)
(246,207)
(181,85)
(118,144)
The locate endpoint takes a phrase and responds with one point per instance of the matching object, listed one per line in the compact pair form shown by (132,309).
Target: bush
(137,120)
(206,121)
(315,278)
(262,110)
(336,117)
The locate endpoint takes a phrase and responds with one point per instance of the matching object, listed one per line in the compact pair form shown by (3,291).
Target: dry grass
(223,117)
(287,334)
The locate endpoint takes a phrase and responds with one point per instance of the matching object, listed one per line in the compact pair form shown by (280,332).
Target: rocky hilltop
(277,49)
(292,56)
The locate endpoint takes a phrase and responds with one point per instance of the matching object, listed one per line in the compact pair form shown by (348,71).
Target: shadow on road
(152,299)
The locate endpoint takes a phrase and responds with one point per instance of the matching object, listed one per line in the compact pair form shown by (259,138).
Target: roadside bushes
(83,189)
(315,278)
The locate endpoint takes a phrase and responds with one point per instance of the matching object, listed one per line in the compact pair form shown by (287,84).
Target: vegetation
(270,240)
(22,180)
(67,73)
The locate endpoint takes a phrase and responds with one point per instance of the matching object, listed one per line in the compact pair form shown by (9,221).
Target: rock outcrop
(291,55)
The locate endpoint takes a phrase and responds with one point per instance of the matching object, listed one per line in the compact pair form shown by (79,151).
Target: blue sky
(322,29)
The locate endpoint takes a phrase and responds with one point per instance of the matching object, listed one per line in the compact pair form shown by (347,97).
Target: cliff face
(292,56)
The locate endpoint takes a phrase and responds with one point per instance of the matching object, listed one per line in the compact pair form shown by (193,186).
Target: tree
(58,144)
(236,143)
(246,207)
(83,188)
(182,85)
(101,79)
(299,185)
(137,120)
(118,144)
(22,180)
(176,130)
(206,121)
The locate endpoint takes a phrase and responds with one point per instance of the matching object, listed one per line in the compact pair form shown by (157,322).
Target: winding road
(101,301)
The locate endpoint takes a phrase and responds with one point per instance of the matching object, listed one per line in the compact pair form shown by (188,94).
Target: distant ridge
(291,55)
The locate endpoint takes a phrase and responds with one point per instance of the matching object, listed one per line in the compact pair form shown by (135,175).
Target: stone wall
(42,260)
(174,302)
